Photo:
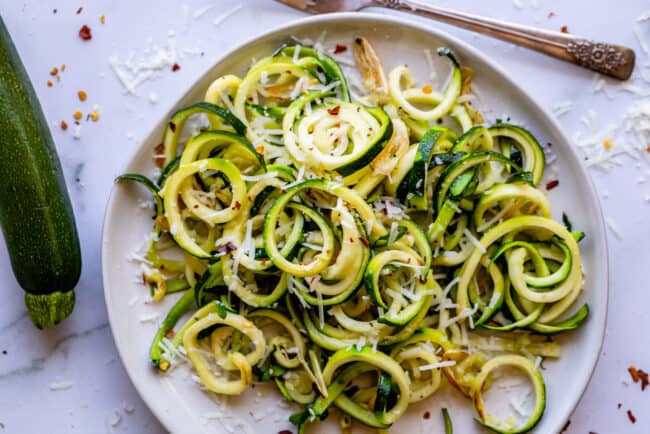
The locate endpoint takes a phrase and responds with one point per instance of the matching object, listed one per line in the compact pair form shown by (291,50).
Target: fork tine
(297,4)
(323,6)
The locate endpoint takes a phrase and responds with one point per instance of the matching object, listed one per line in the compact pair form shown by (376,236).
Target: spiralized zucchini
(356,256)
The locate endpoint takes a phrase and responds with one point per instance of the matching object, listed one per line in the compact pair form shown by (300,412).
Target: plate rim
(166,418)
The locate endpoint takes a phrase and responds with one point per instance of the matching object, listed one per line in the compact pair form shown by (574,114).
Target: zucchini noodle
(356,256)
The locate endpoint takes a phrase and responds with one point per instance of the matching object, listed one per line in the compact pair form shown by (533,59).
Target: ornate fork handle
(613,60)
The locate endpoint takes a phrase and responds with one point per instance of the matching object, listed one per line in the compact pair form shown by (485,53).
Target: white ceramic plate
(177,400)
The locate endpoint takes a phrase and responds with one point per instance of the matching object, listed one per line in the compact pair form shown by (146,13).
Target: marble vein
(38,363)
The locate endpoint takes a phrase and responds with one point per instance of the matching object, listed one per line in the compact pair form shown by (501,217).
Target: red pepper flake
(160,158)
(426,415)
(564,29)
(169,333)
(552,184)
(84,33)
(236,205)
(175,67)
(340,49)
(79,10)
(334,110)
(172,126)
(647,148)
(285,431)
(639,375)
(364,241)
(631,416)
(196,206)
(550,15)
(64,125)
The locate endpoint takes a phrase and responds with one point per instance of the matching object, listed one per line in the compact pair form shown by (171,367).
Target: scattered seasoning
(54,71)
(552,184)
(564,29)
(63,67)
(94,115)
(426,415)
(82,95)
(4,352)
(639,375)
(102,19)
(175,67)
(631,416)
(334,110)
(79,10)
(427,89)
(285,431)
(607,144)
(49,83)
(619,406)
(591,432)
(84,33)
(340,49)
(550,15)
(160,158)
(77,115)
(647,148)
(236,205)
(172,126)
(364,241)
(54,11)
(64,125)
(169,333)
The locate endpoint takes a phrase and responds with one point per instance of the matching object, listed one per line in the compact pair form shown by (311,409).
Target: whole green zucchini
(35,212)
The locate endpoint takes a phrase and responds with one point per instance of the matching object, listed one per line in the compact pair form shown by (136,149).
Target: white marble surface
(80,352)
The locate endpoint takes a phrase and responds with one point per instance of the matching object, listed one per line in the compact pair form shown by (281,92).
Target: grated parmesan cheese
(437,365)
(223,17)
(474,241)
(60,385)
(614,228)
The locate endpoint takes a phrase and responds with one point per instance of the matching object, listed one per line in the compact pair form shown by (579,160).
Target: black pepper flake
(364,241)
(172,126)
(4,352)
(79,10)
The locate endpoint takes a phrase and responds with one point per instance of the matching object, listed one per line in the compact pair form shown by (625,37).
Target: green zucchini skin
(35,212)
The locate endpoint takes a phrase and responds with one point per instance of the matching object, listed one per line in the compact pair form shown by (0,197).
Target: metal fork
(610,59)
